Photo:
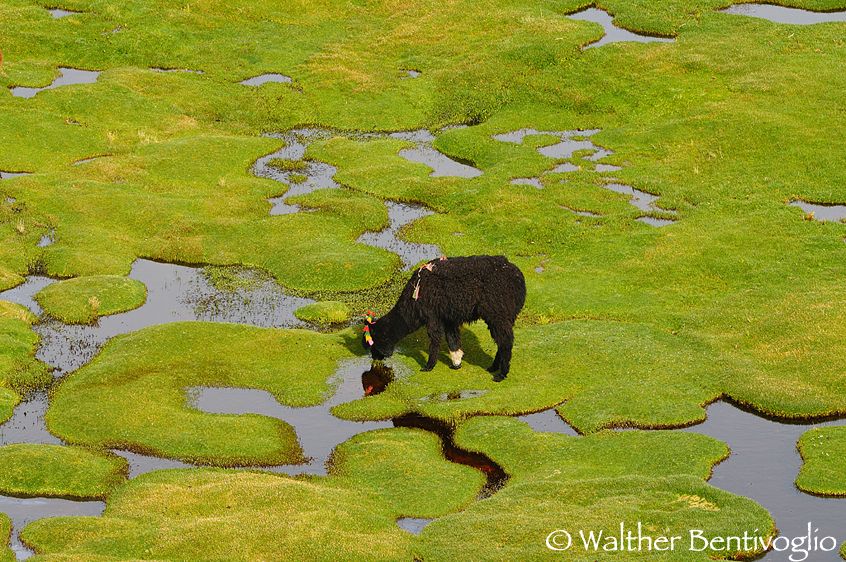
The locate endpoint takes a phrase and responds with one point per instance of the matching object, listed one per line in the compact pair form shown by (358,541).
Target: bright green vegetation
(594,482)
(237,515)
(84,299)
(823,471)
(20,372)
(740,280)
(674,378)
(326,312)
(287,165)
(11,310)
(147,374)
(6,553)
(55,471)
(625,324)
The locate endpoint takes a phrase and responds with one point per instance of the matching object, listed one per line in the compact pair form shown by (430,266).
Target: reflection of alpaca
(376,379)
(446,293)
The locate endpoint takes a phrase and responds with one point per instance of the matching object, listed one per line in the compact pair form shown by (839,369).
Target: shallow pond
(301,176)
(400,215)
(67,77)
(10,175)
(613,34)
(821,212)
(763,465)
(783,14)
(175,293)
(534,182)
(23,511)
(59,13)
(643,201)
(318,431)
(270,78)
(424,153)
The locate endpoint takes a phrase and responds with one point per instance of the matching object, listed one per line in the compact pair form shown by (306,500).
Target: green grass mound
(591,483)
(823,471)
(84,299)
(325,312)
(6,553)
(609,373)
(11,310)
(28,470)
(20,372)
(133,395)
(376,478)
(285,165)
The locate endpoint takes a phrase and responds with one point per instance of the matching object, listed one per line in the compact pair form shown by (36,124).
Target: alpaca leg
(435,331)
(495,365)
(498,358)
(453,337)
(504,338)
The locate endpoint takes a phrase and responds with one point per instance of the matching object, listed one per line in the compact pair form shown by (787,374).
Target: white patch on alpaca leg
(455,357)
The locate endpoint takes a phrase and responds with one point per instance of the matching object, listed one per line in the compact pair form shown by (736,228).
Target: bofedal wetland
(204,204)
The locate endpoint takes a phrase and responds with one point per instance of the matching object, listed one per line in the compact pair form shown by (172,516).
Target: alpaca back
(465,289)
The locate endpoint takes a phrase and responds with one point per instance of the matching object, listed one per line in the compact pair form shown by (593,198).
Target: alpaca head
(379,347)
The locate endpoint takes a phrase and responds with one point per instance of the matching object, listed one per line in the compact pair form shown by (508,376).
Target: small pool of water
(782,14)
(548,421)
(564,168)
(67,77)
(413,525)
(10,175)
(643,201)
(613,34)
(534,182)
(59,13)
(400,215)
(318,175)
(267,79)
(822,213)
(424,153)
(23,511)
(566,148)
(171,70)
(27,424)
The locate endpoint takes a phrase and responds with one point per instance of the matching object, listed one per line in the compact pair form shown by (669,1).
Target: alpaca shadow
(416,346)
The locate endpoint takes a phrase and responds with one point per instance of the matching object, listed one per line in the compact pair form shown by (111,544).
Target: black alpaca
(446,293)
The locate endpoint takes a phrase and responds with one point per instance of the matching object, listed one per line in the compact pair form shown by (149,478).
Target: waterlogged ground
(177,180)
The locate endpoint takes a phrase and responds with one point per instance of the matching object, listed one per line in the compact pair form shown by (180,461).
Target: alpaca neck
(394,326)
